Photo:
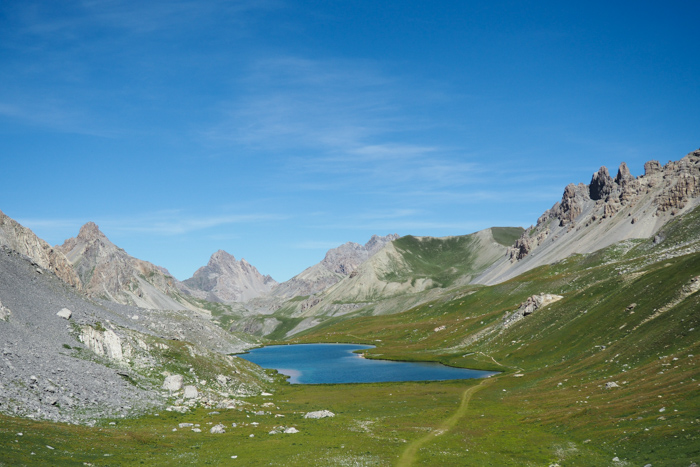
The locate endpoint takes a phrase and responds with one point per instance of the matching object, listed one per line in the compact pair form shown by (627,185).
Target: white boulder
(218,429)
(65,313)
(173,383)
(320,414)
(191,392)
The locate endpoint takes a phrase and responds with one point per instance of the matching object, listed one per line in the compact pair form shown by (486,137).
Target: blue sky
(277,129)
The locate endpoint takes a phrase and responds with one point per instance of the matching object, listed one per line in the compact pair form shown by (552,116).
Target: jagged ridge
(606,211)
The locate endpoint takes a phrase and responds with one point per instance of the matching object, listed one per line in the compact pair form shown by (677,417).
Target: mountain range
(608,275)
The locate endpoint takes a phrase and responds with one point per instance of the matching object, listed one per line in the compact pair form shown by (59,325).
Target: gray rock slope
(606,211)
(226,280)
(65,357)
(39,377)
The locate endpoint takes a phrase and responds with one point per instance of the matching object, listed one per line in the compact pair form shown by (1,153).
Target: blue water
(337,364)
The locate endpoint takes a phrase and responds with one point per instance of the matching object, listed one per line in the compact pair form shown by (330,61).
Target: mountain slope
(107,271)
(591,217)
(407,271)
(338,263)
(226,280)
(24,241)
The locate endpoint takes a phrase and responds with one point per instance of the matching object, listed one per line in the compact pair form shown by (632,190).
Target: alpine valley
(591,316)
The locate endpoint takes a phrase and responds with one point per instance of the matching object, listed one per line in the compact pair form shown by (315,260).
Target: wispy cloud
(55,114)
(167,223)
(335,105)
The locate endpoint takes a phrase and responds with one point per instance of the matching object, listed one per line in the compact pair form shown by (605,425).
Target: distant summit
(338,263)
(90,232)
(226,280)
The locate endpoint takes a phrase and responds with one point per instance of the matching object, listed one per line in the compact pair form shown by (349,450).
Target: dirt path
(409,454)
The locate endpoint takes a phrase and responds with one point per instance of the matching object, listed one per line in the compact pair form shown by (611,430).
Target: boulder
(217,429)
(191,392)
(222,380)
(319,414)
(291,430)
(65,313)
(173,383)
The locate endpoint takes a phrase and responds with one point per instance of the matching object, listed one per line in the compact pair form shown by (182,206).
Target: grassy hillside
(506,236)
(444,260)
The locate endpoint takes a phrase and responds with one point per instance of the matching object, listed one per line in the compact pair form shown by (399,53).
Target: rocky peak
(583,220)
(107,271)
(224,279)
(221,257)
(89,232)
(652,167)
(347,257)
(601,184)
(376,243)
(623,174)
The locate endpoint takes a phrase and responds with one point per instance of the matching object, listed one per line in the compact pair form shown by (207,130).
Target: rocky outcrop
(601,184)
(226,280)
(571,205)
(105,343)
(652,167)
(529,306)
(677,195)
(24,241)
(525,244)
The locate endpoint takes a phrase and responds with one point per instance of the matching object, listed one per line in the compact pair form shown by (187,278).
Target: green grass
(506,236)
(443,260)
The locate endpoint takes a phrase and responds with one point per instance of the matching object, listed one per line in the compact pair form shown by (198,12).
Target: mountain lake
(339,364)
